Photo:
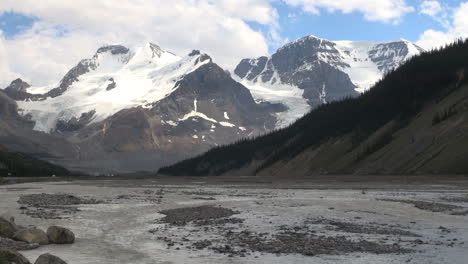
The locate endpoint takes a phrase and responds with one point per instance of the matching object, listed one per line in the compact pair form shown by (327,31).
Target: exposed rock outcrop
(13,257)
(49,259)
(32,235)
(7,228)
(60,235)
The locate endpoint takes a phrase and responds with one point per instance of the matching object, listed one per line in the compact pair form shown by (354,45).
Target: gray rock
(298,64)
(17,90)
(12,256)
(32,235)
(7,243)
(60,235)
(49,259)
(7,228)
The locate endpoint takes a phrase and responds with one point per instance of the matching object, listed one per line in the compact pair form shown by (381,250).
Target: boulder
(11,256)
(7,228)
(60,235)
(49,259)
(32,235)
(7,243)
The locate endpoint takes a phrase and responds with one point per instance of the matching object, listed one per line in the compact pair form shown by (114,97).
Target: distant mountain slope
(311,71)
(135,109)
(15,164)
(413,121)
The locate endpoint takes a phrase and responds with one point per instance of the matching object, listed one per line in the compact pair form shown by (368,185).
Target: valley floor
(249,220)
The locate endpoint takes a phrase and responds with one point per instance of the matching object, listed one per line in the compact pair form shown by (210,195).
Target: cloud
(437,11)
(42,54)
(66,32)
(430,8)
(5,72)
(457,28)
(382,10)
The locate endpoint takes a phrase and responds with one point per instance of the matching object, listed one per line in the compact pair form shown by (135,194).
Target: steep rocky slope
(312,71)
(414,121)
(126,110)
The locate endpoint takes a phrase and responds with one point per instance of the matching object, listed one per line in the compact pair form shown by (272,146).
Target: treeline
(399,96)
(20,165)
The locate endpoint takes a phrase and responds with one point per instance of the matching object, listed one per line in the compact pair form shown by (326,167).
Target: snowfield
(142,76)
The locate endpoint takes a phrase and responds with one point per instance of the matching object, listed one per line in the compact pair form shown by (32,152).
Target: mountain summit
(312,71)
(137,109)
(133,109)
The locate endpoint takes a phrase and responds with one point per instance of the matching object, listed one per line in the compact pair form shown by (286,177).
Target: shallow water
(118,229)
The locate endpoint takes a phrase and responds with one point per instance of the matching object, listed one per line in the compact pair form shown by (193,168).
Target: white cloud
(430,8)
(41,56)
(458,28)
(67,32)
(437,11)
(381,10)
(5,71)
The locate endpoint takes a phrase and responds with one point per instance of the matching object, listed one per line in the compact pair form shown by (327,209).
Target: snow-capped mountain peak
(115,78)
(320,71)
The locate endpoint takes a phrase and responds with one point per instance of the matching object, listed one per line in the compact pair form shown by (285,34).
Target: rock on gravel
(45,199)
(182,216)
(60,235)
(426,205)
(32,235)
(49,259)
(310,244)
(52,206)
(7,228)
(12,256)
(7,243)
(363,228)
(202,244)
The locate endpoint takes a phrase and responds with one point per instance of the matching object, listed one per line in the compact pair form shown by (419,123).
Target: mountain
(312,71)
(16,132)
(413,121)
(125,110)
(13,164)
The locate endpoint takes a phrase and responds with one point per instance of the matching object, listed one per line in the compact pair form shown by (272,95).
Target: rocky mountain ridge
(312,71)
(137,109)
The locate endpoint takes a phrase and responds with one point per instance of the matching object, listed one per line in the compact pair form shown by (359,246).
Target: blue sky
(41,40)
(13,23)
(353,26)
(294,23)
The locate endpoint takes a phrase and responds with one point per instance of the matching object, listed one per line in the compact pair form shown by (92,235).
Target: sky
(41,40)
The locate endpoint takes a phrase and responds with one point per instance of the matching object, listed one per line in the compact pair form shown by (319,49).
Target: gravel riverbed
(150,221)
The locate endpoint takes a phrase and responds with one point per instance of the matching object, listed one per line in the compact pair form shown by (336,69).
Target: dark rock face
(18,85)
(11,244)
(249,69)
(7,228)
(207,108)
(18,90)
(216,92)
(298,64)
(111,85)
(83,67)
(8,107)
(74,124)
(32,235)
(114,49)
(12,256)
(384,54)
(157,51)
(194,53)
(168,130)
(49,259)
(60,235)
